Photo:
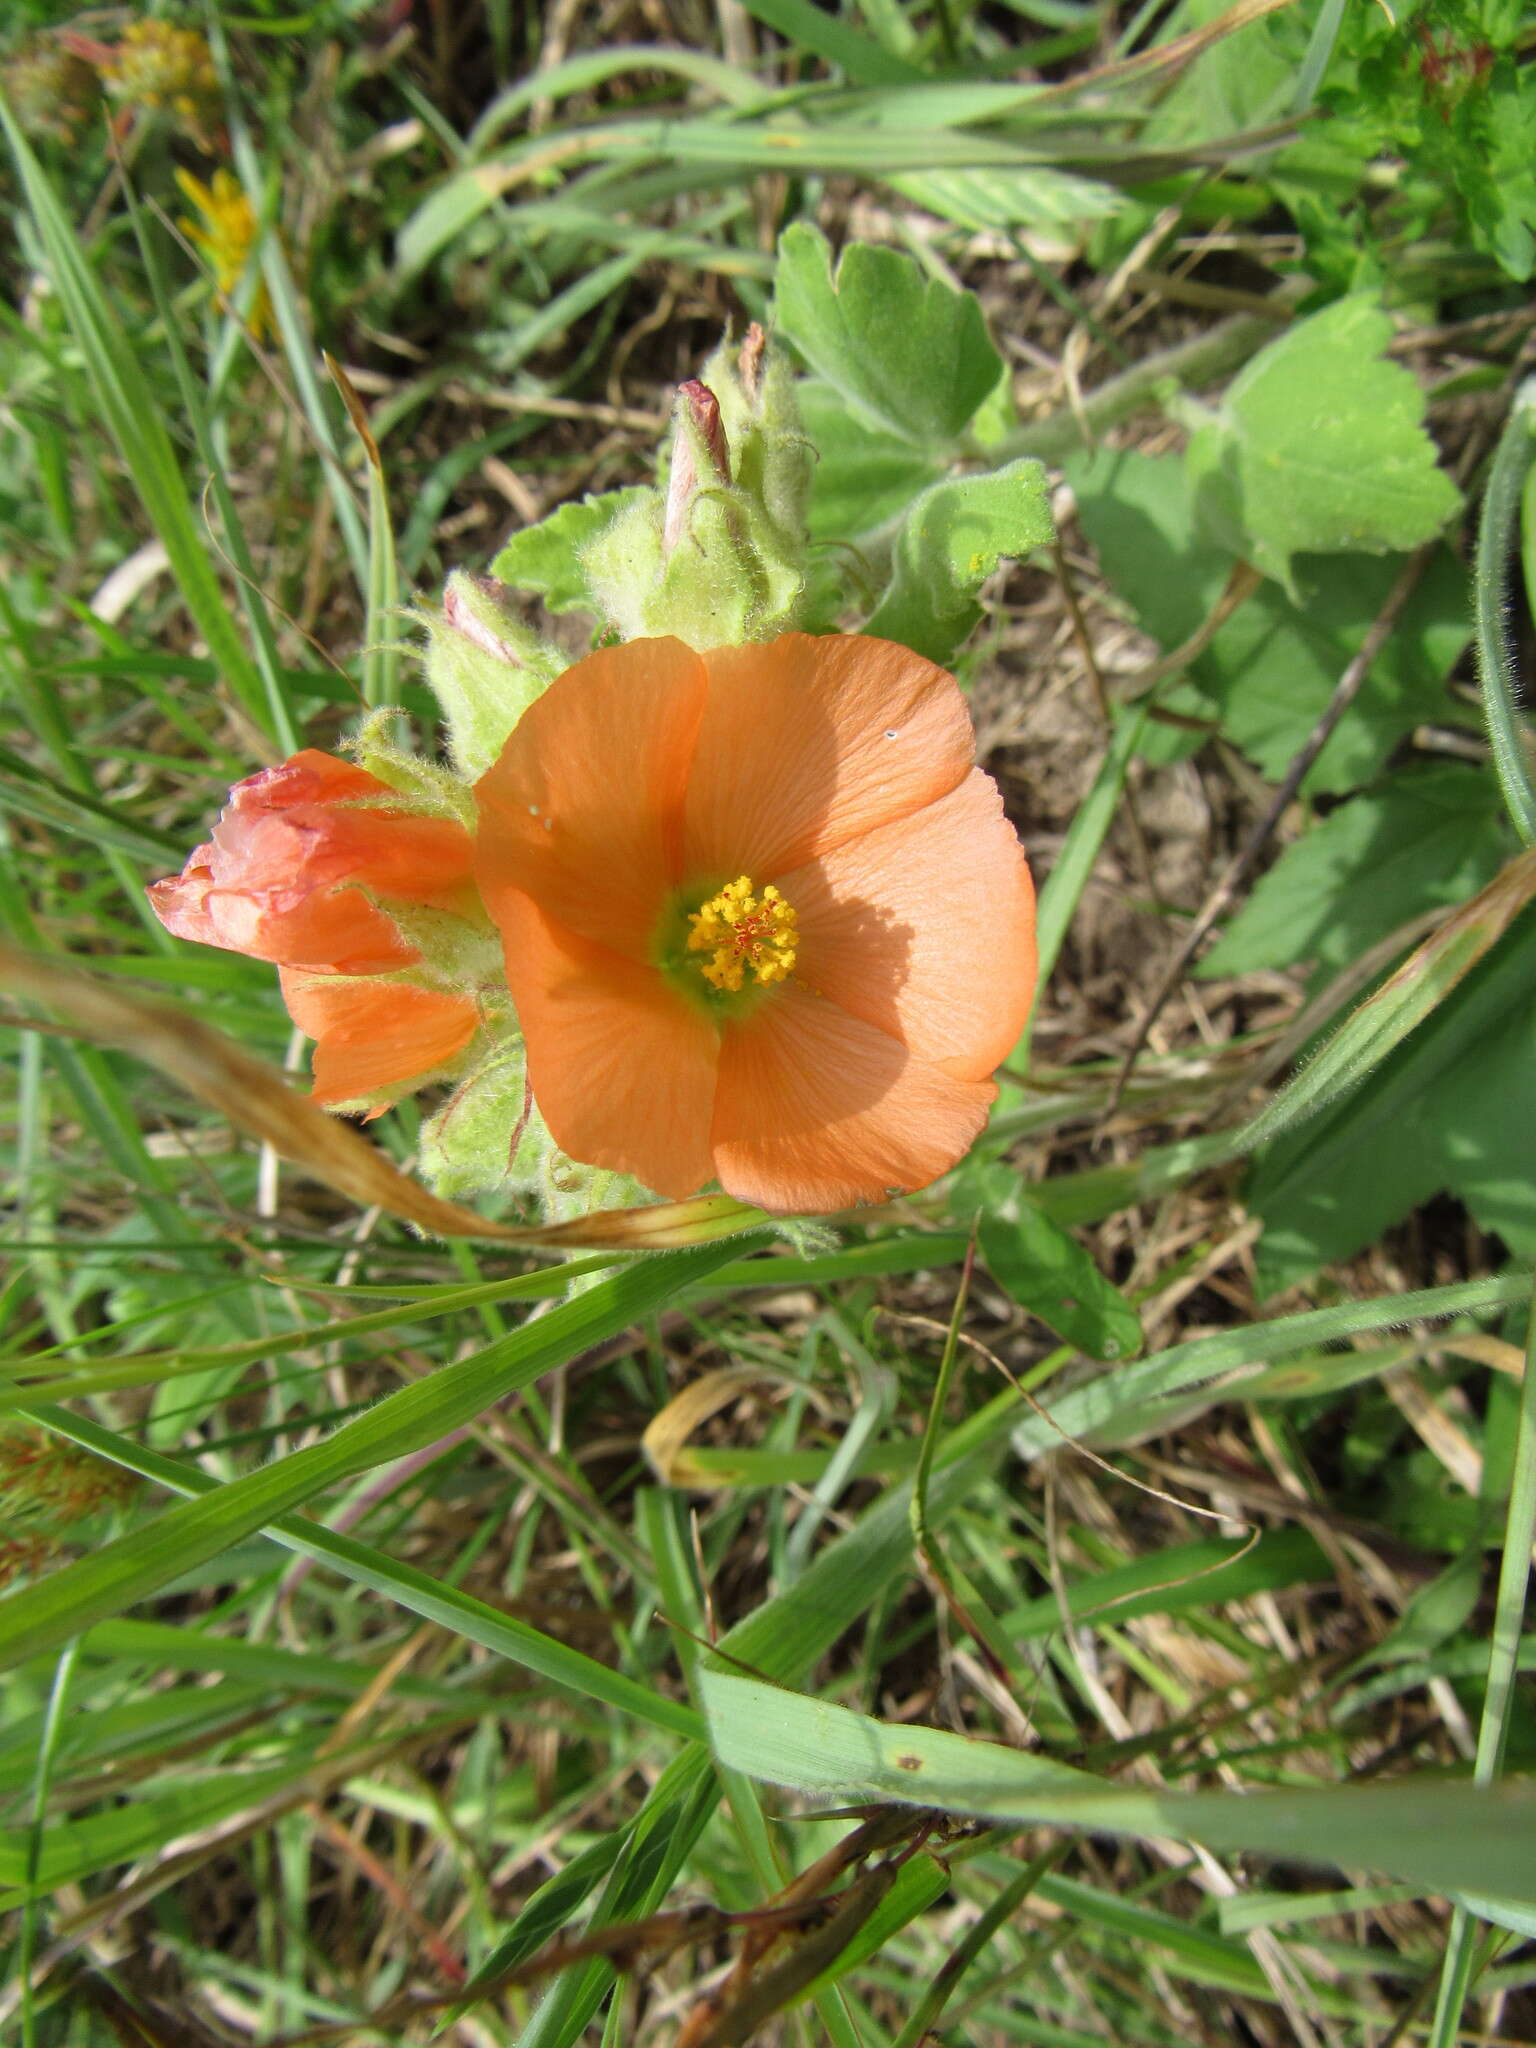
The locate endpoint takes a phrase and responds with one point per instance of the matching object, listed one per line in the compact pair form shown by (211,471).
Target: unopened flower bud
(756,391)
(721,560)
(485,667)
(749,362)
(487,622)
(699,450)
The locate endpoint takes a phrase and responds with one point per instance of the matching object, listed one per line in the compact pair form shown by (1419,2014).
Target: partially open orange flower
(764,922)
(302,869)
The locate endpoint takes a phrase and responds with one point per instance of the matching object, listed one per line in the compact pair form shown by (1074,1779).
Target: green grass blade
(432,1599)
(1498,1699)
(1404,1001)
(1320,46)
(279,718)
(862,60)
(381,651)
(1445,1837)
(784,1638)
(130,414)
(47,1749)
(151,1556)
(1145,1396)
(292,324)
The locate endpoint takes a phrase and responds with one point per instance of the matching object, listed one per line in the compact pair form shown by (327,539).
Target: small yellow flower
(226,234)
(161,68)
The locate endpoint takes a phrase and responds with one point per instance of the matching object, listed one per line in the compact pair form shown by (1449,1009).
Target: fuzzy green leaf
(950,542)
(546,558)
(863,480)
(1319,447)
(909,355)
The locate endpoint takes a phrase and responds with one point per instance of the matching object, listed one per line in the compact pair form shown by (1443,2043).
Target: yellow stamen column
(744,932)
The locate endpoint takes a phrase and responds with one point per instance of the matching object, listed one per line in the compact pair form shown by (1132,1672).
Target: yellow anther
(744,932)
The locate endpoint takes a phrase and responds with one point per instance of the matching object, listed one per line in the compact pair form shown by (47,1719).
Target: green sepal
(429,790)
(483,1139)
(485,668)
(488,1139)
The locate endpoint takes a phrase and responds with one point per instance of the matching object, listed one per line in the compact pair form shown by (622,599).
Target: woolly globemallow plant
(338,878)
(764,921)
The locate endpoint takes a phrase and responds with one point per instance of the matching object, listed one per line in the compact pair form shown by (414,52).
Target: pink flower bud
(749,362)
(464,618)
(699,433)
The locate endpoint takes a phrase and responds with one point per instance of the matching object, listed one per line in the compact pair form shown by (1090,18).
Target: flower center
(743,932)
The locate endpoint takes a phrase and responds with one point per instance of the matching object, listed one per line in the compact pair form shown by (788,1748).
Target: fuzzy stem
(1496,540)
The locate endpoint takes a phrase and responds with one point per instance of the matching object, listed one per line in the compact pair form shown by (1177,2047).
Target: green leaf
(1413,992)
(863,480)
(1136,510)
(1047,1271)
(950,542)
(1240,82)
(547,558)
(910,356)
(1273,667)
(1442,1836)
(1270,671)
(1433,1613)
(1452,1109)
(1196,1577)
(1427,838)
(1319,447)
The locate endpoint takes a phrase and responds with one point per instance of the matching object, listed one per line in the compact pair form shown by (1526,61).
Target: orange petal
(277,879)
(926,929)
(620,1066)
(337,822)
(817,1110)
(583,810)
(376,1034)
(331,931)
(414,858)
(307,777)
(806,743)
(181,901)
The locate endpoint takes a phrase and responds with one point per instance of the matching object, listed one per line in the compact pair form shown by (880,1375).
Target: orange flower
(763,920)
(301,869)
